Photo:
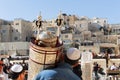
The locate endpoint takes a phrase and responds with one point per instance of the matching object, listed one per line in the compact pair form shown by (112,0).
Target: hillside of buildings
(84,33)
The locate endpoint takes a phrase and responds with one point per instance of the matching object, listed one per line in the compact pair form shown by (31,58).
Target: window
(68,19)
(87,44)
(51,28)
(66,36)
(15,38)
(3,31)
(80,25)
(97,21)
(17,24)
(104,21)
(16,30)
(12,30)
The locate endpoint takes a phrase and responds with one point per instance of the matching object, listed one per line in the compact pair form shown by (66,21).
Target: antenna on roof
(60,13)
(39,16)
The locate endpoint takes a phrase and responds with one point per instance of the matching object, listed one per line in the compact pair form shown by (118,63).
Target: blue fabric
(62,72)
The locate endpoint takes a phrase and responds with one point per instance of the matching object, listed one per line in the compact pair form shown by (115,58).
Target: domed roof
(94,27)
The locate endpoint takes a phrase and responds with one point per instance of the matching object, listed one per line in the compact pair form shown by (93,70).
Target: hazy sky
(30,9)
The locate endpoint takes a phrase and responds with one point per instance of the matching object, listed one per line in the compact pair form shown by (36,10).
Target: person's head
(6,61)
(1,59)
(15,71)
(72,56)
(113,63)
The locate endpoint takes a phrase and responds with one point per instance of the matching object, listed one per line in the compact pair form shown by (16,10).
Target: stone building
(115,29)
(5,34)
(21,30)
(14,32)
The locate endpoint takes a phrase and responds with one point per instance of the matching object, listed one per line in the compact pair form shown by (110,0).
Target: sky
(30,9)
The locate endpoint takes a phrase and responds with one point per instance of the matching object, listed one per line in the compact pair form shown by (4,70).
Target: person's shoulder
(48,71)
(45,74)
(64,65)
